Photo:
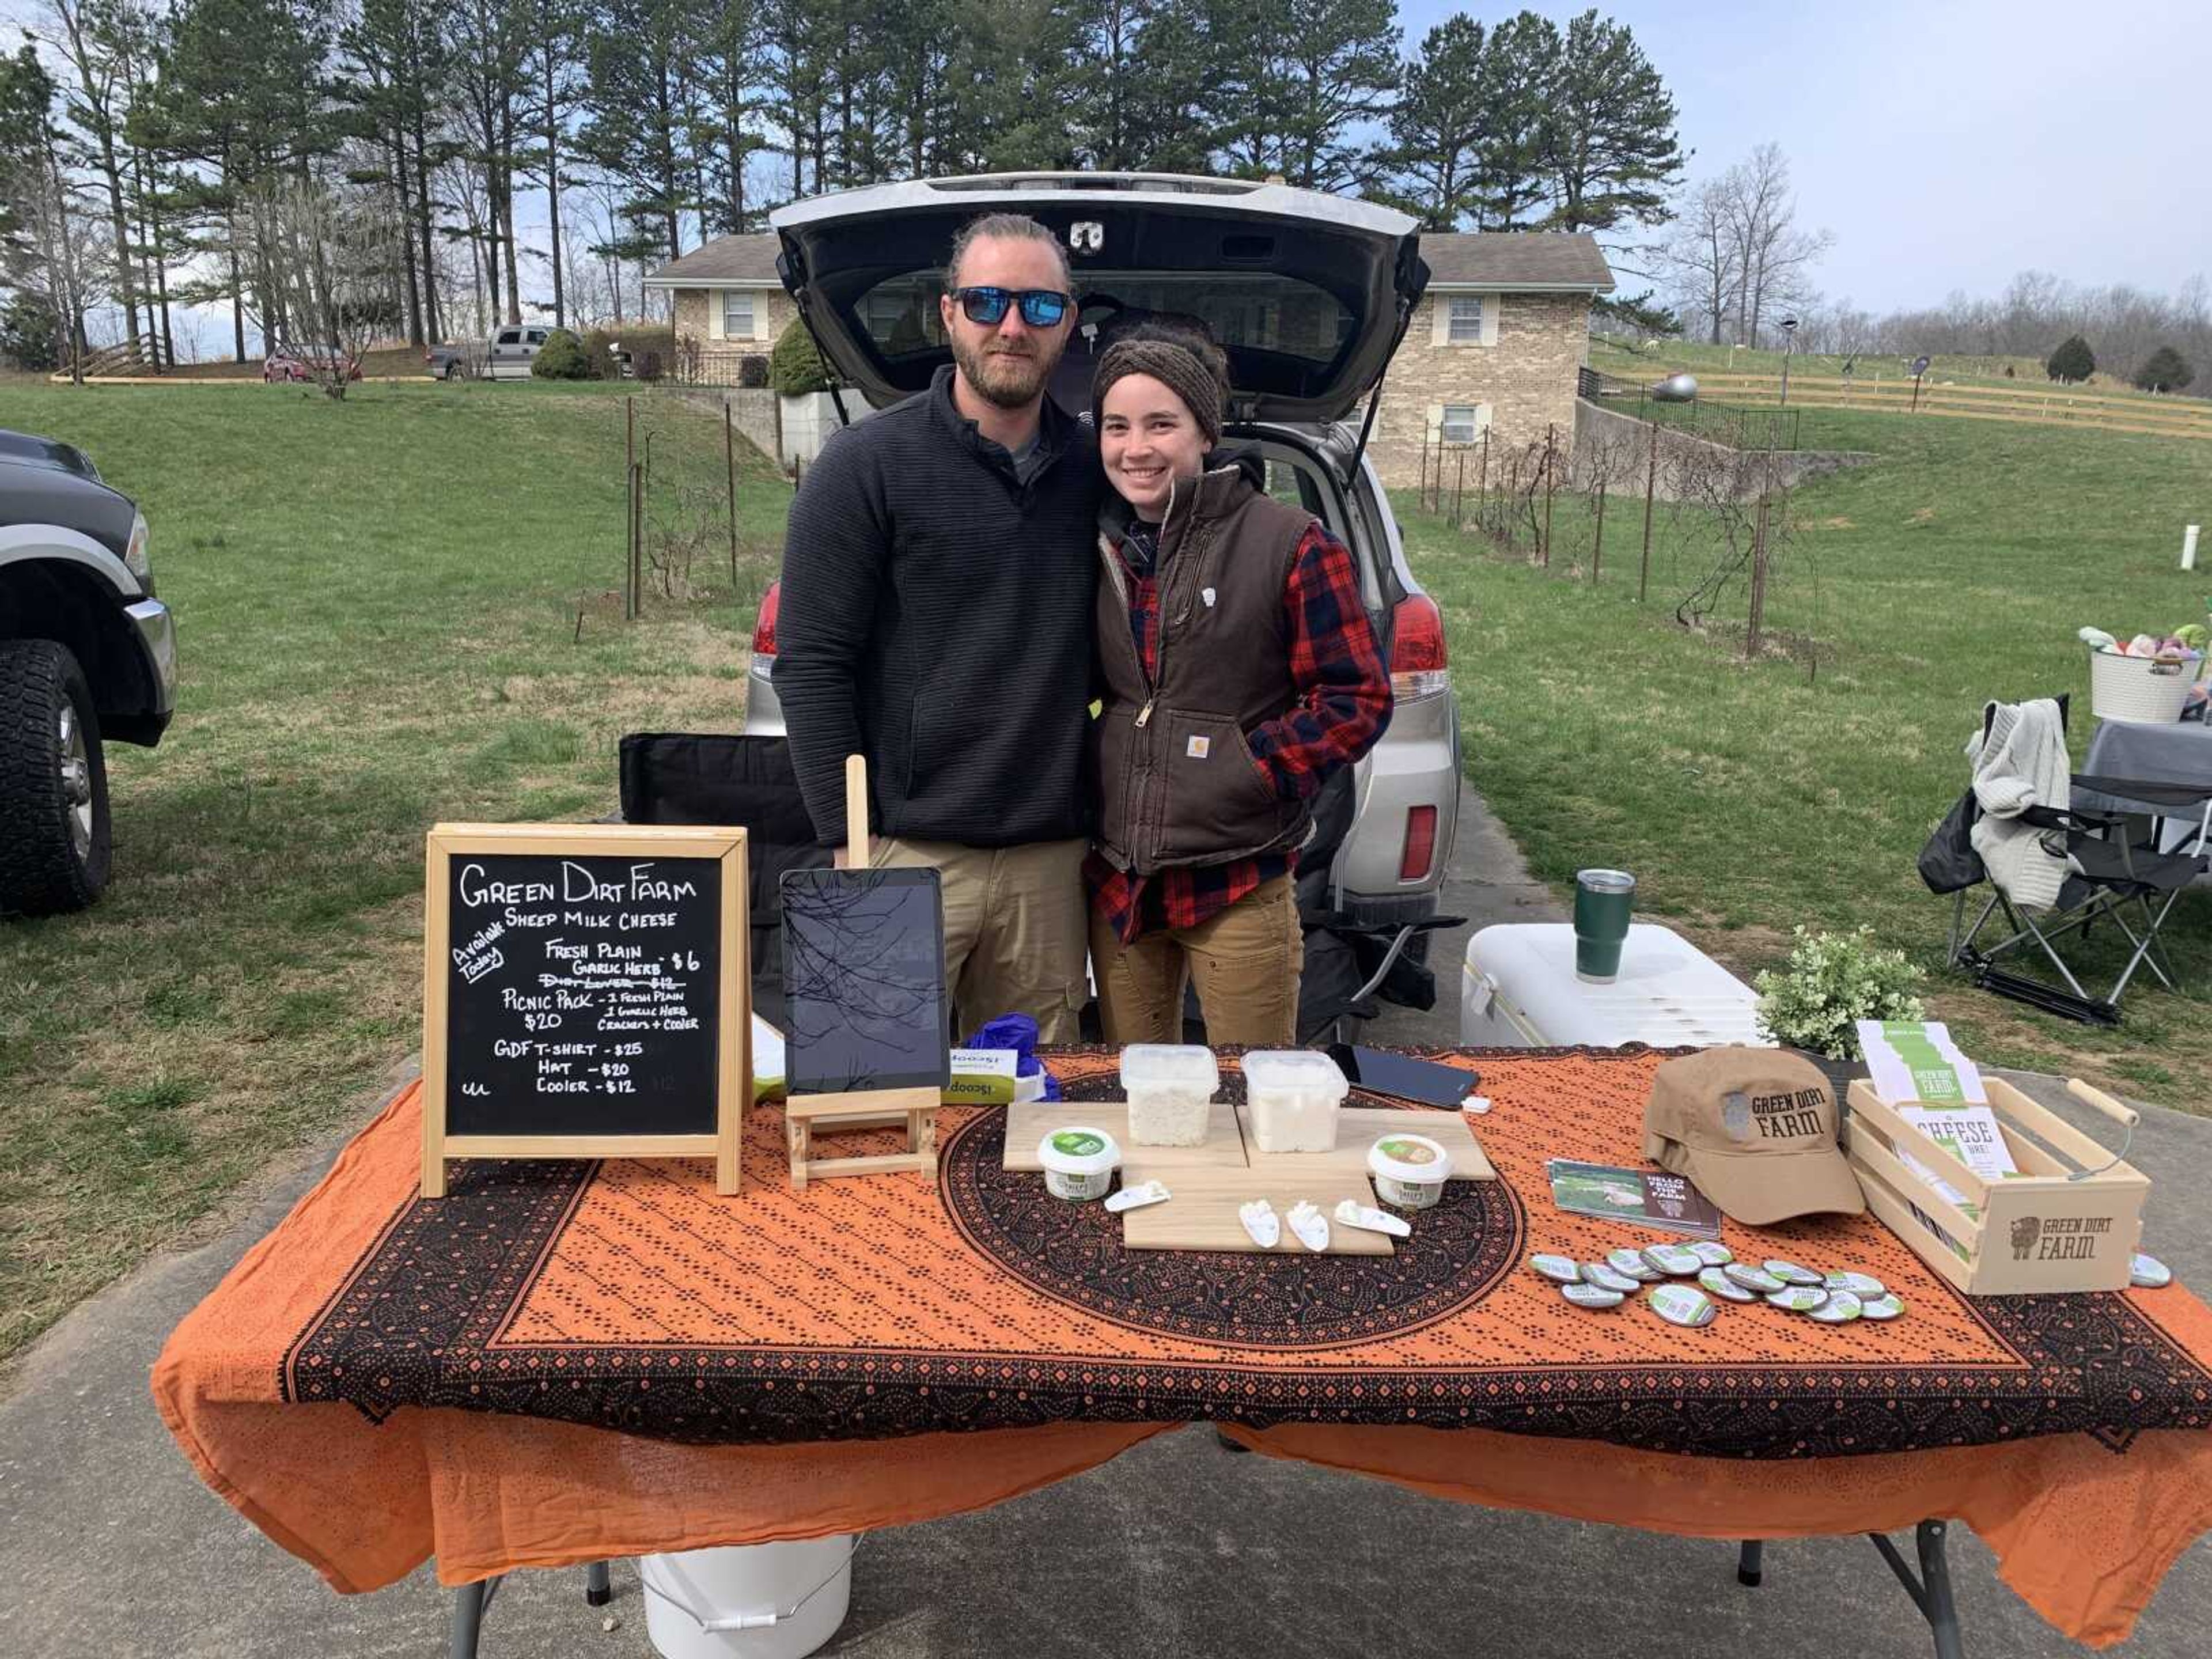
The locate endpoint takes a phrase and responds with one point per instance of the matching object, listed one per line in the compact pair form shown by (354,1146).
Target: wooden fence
(2026,404)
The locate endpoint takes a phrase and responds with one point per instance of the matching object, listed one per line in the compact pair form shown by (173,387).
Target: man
(939,580)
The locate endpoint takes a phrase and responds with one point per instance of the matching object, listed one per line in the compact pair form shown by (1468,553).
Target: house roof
(1569,260)
(1517,259)
(747,261)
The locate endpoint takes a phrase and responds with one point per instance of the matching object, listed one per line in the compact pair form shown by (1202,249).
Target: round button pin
(1840,1309)
(1606,1278)
(1719,1284)
(1560,1269)
(1591,1296)
(1632,1263)
(1672,1259)
(1753,1279)
(1797,1298)
(1681,1304)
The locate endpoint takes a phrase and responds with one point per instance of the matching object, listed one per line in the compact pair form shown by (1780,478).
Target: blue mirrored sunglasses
(1041,307)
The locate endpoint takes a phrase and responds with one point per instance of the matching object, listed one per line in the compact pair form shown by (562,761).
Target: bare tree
(1773,257)
(1701,257)
(331,253)
(62,250)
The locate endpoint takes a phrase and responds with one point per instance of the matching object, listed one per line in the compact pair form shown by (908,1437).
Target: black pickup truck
(88,654)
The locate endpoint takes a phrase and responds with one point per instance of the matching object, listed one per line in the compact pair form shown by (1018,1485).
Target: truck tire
(54,851)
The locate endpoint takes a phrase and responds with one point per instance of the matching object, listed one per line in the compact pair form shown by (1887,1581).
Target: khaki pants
(1246,964)
(1013,929)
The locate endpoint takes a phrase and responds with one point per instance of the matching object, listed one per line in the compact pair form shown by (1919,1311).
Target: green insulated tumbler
(1603,900)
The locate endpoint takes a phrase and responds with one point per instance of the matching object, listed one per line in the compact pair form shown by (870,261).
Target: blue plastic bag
(1019,1033)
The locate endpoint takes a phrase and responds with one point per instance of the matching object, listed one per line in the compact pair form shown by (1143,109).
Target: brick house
(728,304)
(1495,342)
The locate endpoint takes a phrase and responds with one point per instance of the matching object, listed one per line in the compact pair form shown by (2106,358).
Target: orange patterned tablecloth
(382,1377)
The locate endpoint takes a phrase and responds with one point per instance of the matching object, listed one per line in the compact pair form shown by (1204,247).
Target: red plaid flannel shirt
(1343,704)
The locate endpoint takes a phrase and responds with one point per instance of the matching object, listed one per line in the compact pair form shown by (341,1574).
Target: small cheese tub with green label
(1409,1171)
(1078,1162)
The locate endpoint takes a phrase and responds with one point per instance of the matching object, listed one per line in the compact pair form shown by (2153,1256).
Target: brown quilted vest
(1177,782)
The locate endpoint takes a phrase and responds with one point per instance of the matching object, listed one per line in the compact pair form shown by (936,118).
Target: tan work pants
(1246,964)
(1014,933)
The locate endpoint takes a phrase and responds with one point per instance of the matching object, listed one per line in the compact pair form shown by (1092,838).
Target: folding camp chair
(2111,877)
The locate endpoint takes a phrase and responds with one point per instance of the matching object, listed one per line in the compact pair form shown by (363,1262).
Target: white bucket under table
(748,1602)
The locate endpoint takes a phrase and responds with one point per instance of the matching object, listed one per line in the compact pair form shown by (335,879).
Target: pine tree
(2072,363)
(640,110)
(1338,71)
(2164,370)
(241,98)
(1170,104)
(1518,71)
(1436,130)
(1609,142)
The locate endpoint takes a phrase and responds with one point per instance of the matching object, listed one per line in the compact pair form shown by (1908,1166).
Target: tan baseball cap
(1755,1130)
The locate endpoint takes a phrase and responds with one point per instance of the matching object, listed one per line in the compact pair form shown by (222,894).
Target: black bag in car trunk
(680,777)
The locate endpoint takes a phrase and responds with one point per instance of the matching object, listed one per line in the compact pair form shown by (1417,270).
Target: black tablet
(1403,1076)
(863,980)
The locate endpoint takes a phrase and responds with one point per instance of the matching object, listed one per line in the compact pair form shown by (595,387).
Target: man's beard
(1003,378)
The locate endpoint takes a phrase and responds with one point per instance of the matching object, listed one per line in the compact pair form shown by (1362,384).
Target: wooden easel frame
(861,1109)
(734,1057)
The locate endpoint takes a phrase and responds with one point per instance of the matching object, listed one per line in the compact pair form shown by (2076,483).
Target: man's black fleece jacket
(936,617)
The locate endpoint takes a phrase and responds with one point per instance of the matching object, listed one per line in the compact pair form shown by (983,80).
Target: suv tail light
(1417,652)
(1421,851)
(764,630)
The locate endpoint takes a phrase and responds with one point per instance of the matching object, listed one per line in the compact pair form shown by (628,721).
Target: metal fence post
(1551,432)
(1650,484)
(1459,490)
(1597,542)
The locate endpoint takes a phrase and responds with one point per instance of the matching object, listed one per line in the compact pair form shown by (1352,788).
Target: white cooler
(1519,990)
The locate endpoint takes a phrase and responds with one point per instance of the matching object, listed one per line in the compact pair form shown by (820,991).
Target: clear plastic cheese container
(1291,1097)
(1171,1087)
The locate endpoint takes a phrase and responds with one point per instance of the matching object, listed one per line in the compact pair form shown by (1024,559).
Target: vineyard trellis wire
(1717,519)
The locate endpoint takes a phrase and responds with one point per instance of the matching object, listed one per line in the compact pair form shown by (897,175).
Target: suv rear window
(510,336)
(1254,311)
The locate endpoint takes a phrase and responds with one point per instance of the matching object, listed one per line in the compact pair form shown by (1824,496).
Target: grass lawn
(1749,798)
(378,607)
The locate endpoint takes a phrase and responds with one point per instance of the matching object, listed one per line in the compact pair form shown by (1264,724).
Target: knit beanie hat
(1193,372)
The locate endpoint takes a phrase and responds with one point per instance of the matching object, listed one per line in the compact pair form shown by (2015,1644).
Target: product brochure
(1916,1059)
(1650,1198)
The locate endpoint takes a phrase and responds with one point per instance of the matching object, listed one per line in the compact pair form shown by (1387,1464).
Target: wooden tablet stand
(861,1109)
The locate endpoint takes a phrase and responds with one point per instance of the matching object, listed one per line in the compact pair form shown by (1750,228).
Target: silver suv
(1309,294)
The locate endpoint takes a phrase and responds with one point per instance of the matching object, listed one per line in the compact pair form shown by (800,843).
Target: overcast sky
(1948,144)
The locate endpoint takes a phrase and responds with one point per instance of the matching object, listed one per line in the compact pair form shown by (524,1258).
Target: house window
(737,316)
(1465,320)
(1459,423)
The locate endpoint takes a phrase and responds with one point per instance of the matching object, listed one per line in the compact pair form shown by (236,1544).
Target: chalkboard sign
(584,995)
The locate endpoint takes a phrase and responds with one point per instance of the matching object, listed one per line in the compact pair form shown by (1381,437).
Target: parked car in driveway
(1309,294)
(463,360)
(88,654)
(284,365)
(513,348)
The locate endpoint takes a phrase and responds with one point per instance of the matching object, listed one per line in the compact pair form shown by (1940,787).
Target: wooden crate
(2053,1228)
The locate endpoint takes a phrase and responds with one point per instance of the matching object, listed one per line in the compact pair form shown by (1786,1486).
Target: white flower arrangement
(1833,982)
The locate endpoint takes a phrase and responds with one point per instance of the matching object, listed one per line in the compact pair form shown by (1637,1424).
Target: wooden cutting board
(1028,1121)
(1202,1214)
(1358,1128)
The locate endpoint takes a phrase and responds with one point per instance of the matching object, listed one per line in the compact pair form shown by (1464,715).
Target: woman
(1240,673)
